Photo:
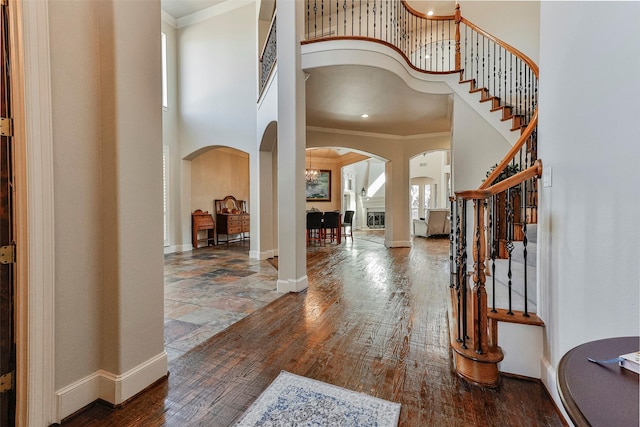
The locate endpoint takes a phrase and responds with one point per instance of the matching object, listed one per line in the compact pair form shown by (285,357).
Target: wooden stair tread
(516,317)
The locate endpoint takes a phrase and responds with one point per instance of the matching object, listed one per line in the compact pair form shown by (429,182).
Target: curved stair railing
(506,202)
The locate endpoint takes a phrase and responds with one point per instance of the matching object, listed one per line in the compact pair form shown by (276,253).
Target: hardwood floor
(373,320)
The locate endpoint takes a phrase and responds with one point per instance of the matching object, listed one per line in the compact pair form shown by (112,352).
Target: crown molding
(378,135)
(168,19)
(210,12)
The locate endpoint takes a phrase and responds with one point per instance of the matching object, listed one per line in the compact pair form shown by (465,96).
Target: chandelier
(311,175)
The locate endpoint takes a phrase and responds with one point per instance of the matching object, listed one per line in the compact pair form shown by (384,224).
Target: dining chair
(331,223)
(348,222)
(314,227)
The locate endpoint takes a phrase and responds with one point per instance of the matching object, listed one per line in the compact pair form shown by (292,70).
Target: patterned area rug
(292,400)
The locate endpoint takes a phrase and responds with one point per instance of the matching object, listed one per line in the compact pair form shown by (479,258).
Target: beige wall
(78,200)
(336,184)
(216,174)
(107,141)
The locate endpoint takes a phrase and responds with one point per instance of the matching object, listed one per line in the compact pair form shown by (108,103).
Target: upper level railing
(426,42)
(268,55)
(433,44)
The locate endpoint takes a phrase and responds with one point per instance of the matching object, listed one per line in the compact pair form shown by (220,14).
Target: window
(165,97)
(427,199)
(415,201)
(165,192)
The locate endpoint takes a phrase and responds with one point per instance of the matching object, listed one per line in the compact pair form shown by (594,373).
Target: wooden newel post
(458,19)
(479,294)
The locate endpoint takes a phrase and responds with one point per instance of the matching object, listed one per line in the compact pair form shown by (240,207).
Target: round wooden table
(600,394)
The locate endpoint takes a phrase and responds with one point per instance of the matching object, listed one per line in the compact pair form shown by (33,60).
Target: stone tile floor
(209,289)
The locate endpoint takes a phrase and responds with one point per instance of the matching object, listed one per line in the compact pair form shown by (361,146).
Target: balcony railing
(268,55)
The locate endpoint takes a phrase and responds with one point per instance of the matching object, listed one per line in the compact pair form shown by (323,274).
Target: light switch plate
(546,176)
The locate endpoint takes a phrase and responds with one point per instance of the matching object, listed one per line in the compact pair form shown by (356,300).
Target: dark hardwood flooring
(373,320)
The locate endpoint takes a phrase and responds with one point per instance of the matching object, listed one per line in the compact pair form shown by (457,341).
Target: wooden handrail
(514,150)
(509,48)
(424,15)
(266,40)
(512,181)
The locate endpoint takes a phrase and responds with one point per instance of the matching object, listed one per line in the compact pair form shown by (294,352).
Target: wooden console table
(202,221)
(600,394)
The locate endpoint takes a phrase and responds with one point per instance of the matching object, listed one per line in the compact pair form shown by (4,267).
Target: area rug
(292,400)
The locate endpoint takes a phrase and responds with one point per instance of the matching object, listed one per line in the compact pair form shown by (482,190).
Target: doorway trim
(35,305)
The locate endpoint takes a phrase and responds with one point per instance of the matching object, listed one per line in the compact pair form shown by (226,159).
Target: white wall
(589,228)
(475,147)
(514,22)
(434,169)
(170,136)
(218,86)
(217,69)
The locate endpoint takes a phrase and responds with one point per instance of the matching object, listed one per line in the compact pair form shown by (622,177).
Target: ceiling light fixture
(364,116)
(311,175)
(430,13)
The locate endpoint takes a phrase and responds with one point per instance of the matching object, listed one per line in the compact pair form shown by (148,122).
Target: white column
(292,262)
(397,232)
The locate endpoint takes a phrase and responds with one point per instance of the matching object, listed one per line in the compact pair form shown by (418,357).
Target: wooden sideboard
(232,219)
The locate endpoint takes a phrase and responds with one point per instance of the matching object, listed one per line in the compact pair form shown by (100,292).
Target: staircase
(486,242)
(494,293)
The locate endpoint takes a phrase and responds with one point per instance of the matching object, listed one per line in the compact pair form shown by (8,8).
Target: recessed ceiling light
(364,116)
(430,13)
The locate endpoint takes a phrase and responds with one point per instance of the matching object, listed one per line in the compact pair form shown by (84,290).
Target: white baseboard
(398,244)
(549,379)
(293,285)
(177,248)
(111,388)
(261,255)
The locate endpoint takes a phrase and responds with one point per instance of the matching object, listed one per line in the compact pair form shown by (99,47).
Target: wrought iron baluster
(374,19)
(492,228)
(465,335)
(511,84)
(483,60)
(479,262)
(509,245)
(499,80)
(367,18)
(360,19)
(321,18)
(442,48)
(308,18)
(353,26)
(386,21)
(344,17)
(315,19)
(330,18)
(458,271)
(452,267)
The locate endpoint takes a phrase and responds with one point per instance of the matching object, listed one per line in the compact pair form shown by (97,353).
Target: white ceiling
(338,96)
(180,8)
